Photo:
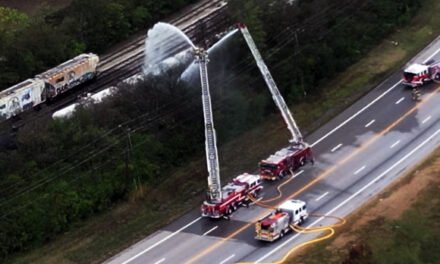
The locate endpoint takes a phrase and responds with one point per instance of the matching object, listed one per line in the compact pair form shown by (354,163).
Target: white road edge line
(210,230)
(367,106)
(322,196)
(395,144)
(400,100)
(161,241)
(312,145)
(160,261)
(426,119)
(359,170)
(227,259)
(409,154)
(336,148)
(370,123)
(297,174)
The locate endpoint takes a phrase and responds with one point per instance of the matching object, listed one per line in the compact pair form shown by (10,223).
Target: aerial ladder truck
(220,202)
(287,160)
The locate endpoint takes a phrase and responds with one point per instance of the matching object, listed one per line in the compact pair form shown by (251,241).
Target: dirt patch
(33,6)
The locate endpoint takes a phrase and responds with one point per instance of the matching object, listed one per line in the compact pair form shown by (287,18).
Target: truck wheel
(282,174)
(301,220)
(229,211)
(282,234)
(302,162)
(437,76)
(234,207)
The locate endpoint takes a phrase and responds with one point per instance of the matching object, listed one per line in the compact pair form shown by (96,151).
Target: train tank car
(69,74)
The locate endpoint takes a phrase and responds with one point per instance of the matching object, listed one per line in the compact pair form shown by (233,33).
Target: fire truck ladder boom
(214,184)
(277,97)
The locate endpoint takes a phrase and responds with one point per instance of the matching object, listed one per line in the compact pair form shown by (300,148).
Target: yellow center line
(317,179)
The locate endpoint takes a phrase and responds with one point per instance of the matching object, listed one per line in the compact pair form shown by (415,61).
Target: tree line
(64,171)
(308,42)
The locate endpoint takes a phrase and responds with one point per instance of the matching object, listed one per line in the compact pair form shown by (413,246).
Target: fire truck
(418,74)
(234,194)
(223,201)
(220,202)
(285,161)
(299,152)
(278,223)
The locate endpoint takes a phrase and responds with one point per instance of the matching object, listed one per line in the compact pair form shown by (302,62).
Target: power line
(129,121)
(93,155)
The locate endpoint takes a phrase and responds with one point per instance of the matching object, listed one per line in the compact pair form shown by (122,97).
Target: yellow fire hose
(316,240)
(280,194)
(299,229)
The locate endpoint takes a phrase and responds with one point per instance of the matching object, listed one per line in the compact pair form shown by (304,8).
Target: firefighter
(416,94)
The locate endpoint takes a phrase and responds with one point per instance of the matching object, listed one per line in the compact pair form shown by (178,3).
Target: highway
(358,153)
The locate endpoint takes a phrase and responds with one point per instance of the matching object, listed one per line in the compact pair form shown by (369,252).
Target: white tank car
(96,98)
(69,74)
(65,112)
(21,97)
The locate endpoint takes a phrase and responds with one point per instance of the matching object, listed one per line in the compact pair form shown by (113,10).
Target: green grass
(91,241)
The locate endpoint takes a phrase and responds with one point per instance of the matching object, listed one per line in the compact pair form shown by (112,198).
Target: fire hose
(280,193)
(303,230)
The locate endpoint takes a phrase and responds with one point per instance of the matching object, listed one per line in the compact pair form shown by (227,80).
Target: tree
(11,22)
(98,24)
(250,13)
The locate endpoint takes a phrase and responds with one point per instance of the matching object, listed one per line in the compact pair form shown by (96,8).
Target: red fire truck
(277,223)
(285,161)
(418,74)
(234,194)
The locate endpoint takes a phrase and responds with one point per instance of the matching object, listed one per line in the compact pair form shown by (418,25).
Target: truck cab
(416,75)
(231,198)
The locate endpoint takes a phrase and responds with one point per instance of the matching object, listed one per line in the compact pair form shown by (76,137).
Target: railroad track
(185,23)
(191,13)
(200,23)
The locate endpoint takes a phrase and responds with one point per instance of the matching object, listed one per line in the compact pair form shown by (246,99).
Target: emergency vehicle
(278,222)
(285,161)
(234,194)
(418,74)
(223,201)
(220,202)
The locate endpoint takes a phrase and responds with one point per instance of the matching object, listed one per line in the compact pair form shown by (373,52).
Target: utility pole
(128,150)
(136,179)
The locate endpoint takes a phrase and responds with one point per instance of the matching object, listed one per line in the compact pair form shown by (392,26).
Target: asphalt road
(358,154)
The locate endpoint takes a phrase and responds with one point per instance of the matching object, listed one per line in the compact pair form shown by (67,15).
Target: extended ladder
(277,97)
(214,184)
